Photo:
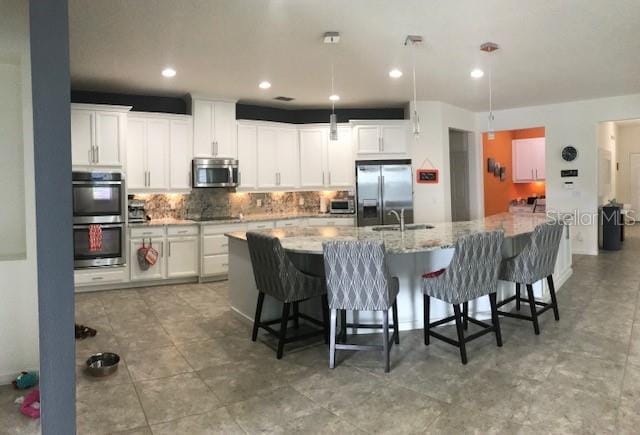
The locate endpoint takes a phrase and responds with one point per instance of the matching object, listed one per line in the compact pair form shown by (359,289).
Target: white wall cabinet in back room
(214,128)
(98,134)
(528,160)
(323,162)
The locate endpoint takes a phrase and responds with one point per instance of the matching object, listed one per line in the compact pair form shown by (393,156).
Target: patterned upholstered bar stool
(277,277)
(536,262)
(472,273)
(358,279)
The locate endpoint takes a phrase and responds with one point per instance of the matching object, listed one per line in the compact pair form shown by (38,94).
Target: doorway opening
(514,171)
(459,164)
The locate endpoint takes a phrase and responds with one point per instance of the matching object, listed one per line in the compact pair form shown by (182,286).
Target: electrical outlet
(301,201)
(258,203)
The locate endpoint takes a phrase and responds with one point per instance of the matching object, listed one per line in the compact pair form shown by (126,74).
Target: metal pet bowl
(102,364)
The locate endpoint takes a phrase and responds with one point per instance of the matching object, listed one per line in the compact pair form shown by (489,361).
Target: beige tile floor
(189,367)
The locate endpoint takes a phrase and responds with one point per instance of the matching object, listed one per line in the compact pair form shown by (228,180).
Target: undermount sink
(406,227)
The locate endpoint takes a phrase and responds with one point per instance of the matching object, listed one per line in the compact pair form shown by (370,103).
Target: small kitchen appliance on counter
(342,206)
(136,210)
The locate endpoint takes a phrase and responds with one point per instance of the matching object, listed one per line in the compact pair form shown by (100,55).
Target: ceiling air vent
(282,98)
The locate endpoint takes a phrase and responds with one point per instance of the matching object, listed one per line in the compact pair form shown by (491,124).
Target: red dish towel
(95,238)
(433,274)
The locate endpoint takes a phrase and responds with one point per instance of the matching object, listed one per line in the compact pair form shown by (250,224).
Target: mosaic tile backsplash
(212,203)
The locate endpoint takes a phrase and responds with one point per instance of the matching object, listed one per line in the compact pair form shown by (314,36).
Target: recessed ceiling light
(477,73)
(264,85)
(334,97)
(395,73)
(168,72)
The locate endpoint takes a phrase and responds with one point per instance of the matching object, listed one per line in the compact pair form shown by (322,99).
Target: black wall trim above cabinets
(310,116)
(140,103)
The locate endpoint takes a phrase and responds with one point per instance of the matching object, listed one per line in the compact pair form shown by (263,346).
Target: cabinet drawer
(182,231)
(331,222)
(138,233)
(215,244)
(215,264)
(260,225)
(221,229)
(99,277)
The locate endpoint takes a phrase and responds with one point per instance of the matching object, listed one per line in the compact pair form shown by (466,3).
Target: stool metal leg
(396,327)
(426,319)
(283,328)
(495,320)
(465,315)
(459,329)
(332,339)
(256,320)
(534,311)
(385,337)
(554,301)
(518,296)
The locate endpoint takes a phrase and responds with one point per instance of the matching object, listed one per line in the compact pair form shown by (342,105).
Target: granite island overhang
(411,253)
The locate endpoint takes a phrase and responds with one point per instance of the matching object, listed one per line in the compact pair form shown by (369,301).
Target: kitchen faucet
(399,216)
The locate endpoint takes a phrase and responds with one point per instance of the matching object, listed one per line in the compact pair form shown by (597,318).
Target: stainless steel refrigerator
(382,186)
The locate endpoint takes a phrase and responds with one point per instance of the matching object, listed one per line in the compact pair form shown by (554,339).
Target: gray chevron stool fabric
(357,276)
(536,262)
(473,271)
(276,275)
(538,259)
(358,279)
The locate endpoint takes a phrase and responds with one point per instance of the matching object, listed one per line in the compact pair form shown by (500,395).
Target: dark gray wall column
(52,154)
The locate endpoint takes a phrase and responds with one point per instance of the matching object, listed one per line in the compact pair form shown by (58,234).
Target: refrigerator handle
(381,198)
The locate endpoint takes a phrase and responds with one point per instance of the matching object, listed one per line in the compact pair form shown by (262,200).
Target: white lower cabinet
(101,276)
(215,248)
(182,257)
(333,222)
(287,223)
(155,272)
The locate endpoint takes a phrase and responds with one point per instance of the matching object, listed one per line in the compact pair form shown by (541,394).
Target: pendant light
(414,40)
(332,38)
(490,47)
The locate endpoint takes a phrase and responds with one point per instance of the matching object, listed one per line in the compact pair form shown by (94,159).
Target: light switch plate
(301,201)
(258,203)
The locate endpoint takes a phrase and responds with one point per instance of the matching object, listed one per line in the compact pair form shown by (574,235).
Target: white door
(267,157)
(340,160)
(157,153)
(247,155)
(224,121)
(181,154)
(182,257)
(367,139)
(153,272)
(136,153)
(634,188)
(288,158)
(108,139)
(312,169)
(202,128)
(394,139)
(82,137)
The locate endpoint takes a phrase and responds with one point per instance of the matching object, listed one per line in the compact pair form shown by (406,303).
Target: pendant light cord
(333,103)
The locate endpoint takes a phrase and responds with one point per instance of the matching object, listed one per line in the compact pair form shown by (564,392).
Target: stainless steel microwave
(215,173)
(342,206)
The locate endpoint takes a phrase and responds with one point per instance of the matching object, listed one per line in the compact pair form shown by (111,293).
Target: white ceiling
(551,50)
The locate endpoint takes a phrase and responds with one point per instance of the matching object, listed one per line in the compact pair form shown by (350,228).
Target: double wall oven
(98,219)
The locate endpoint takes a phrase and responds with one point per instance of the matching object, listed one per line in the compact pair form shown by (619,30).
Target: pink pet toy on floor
(31,405)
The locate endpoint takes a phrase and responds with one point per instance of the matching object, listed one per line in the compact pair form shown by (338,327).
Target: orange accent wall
(498,194)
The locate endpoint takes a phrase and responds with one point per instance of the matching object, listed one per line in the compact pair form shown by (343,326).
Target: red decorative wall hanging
(427,176)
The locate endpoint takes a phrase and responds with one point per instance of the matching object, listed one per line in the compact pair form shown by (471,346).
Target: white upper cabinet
(288,158)
(98,134)
(267,157)
(528,160)
(180,153)
(159,152)
(248,156)
(214,129)
(323,162)
(381,137)
(278,157)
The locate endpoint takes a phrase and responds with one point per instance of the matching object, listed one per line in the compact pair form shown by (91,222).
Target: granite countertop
(249,218)
(443,235)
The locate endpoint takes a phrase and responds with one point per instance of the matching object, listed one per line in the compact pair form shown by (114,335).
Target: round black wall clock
(569,153)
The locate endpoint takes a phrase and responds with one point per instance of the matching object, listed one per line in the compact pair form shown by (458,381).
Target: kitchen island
(419,249)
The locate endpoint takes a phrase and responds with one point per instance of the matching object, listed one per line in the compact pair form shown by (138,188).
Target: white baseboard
(7,378)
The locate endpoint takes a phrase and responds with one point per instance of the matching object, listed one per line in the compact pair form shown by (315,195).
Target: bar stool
(536,261)
(276,276)
(472,273)
(358,279)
